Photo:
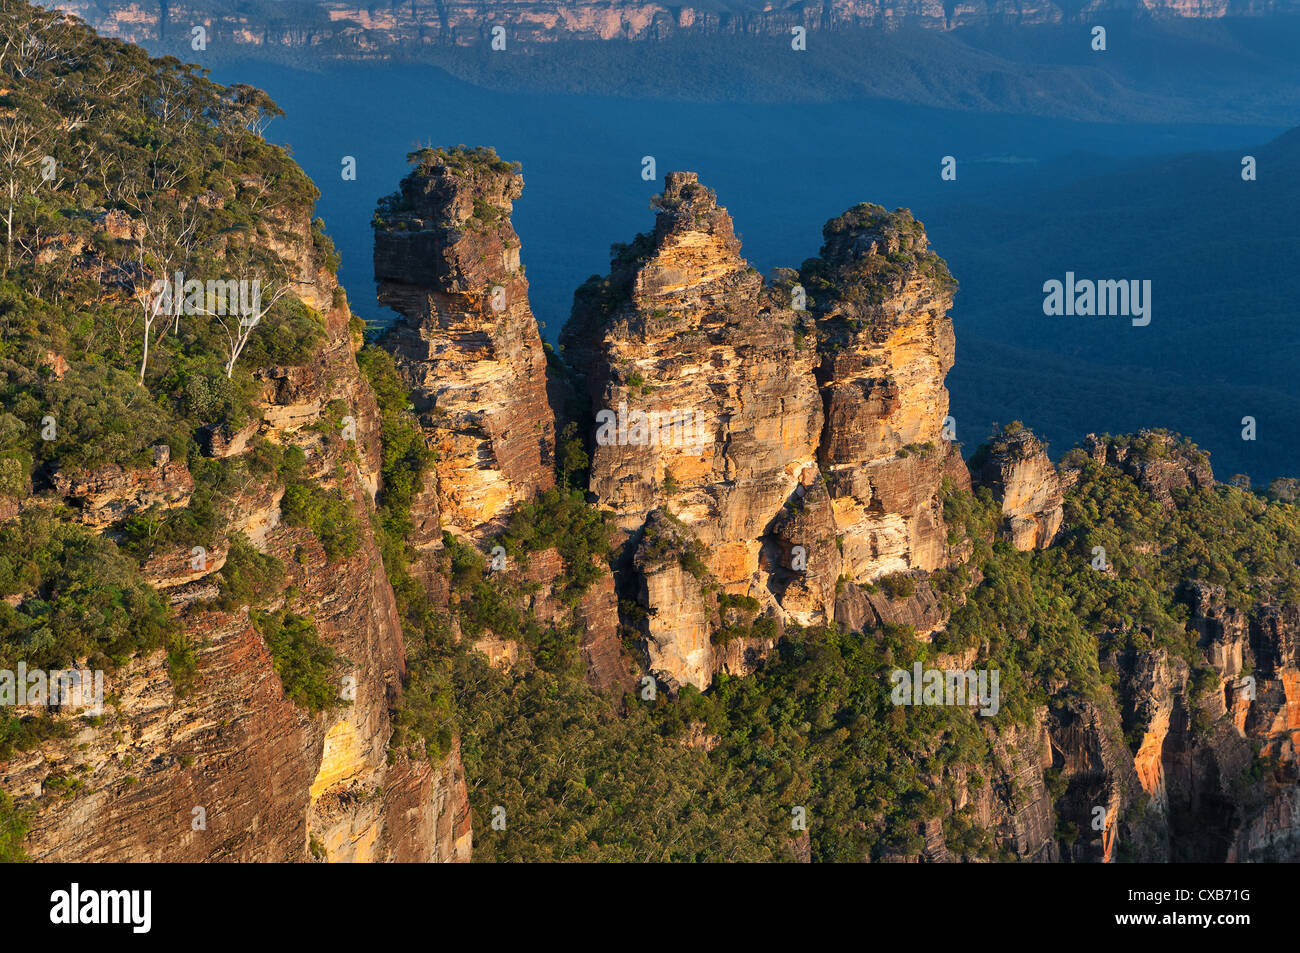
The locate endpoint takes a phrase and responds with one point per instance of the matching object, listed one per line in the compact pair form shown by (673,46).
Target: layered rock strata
(1016,469)
(234,770)
(343,28)
(792,430)
(447,259)
(881,301)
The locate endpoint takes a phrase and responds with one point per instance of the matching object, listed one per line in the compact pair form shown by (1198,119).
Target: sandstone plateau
(350,29)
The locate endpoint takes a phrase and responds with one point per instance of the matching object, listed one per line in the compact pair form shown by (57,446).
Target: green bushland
(326,512)
(463,159)
(78,596)
(307,666)
(163,138)
(176,165)
(248,576)
(406,457)
(13,829)
(563,520)
(424,717)
(815,726)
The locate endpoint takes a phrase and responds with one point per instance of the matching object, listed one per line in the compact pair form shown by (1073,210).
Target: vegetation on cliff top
(868,254)
(125,173)
(462,159)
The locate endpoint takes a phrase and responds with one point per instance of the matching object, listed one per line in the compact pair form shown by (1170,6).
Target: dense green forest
(1225,276)
(594,778)
(815,728)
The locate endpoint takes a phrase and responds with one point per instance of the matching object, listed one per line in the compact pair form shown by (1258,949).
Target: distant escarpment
(345,28)
(996,57)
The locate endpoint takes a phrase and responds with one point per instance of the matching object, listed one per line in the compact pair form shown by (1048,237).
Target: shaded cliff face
(1189,753)
(1206,769)
(1251,692)
(881,301)
(1209,731)
(235,770)
(448,260)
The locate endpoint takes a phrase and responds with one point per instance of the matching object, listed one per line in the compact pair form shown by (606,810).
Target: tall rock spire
(811,448)
(447,259)
(881,299)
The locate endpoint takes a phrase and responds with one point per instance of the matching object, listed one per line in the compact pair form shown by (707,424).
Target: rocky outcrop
(1015,802)
(1015,467)
(111,493)
(794,428)
(802,556)
(905,599)
(603,656)
(703,400)
(448,261)
(234,770)
(885,343)
(1160,461)
(676,620)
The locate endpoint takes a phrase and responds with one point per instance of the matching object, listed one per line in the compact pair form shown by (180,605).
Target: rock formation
(1016,469)
(448,261)
(773,455)
(881,301)
(794,432)
(1161,462)
(704,399)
